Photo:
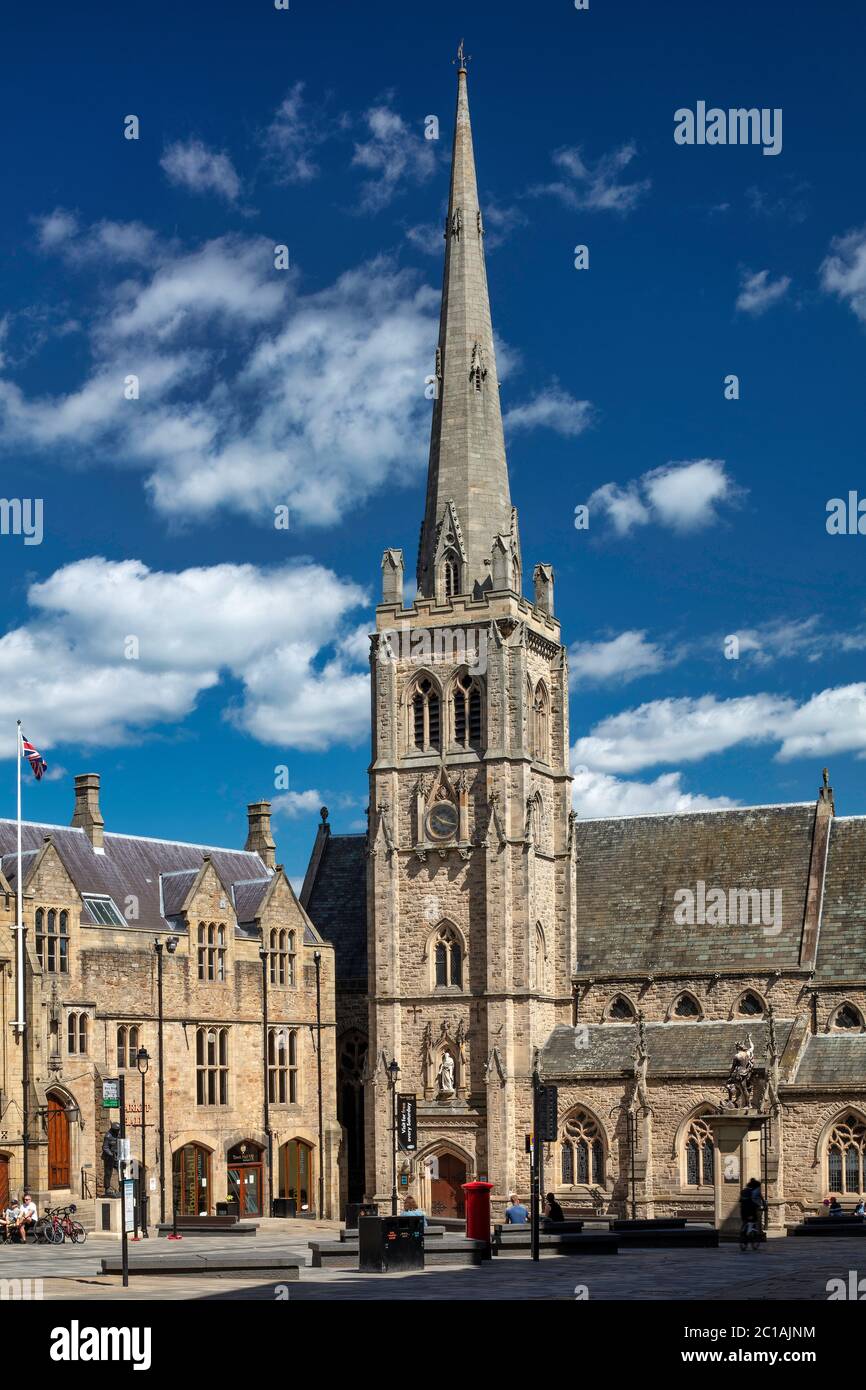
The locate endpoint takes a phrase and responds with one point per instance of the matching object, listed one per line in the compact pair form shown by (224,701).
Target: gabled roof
(842,939)
(131,866)
(629,871)
(337,902)
(832,1060)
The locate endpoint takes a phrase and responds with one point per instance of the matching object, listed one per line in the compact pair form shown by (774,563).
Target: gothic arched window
(466,711)
(424,716)
(621,1010)
(581,1150)
(450,574)
(447,959)
(849,1018)
(541,724)
(686,1007)
(846,1152)
(699,1154)
(540,959)
(750,1004)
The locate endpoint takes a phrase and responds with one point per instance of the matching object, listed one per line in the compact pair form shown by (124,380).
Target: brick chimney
(259,839)
(87,815)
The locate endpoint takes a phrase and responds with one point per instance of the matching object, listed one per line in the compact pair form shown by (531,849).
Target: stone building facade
(95,906)
(484,933)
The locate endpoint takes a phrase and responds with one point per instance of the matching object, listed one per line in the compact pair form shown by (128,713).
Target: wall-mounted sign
(407,1123)
(111,1094)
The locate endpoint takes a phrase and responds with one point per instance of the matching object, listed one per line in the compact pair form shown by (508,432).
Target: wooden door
(446,1191)
(4,1182)
(58,1143)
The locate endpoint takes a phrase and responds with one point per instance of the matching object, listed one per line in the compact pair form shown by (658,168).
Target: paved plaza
(781,1270)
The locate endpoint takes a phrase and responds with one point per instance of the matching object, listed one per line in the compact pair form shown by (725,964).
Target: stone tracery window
(846,1156)
(750,1005)
(541,724)
(466,711)
(699,1153)
(621,1010)
(447,959)
(425,716)
(581,1150)
(686,1007)
(211,951)
(450,574)
(849,1018)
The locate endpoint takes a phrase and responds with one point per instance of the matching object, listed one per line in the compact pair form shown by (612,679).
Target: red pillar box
(477,1209)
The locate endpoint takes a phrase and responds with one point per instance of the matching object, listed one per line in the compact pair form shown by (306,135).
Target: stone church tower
(470,895)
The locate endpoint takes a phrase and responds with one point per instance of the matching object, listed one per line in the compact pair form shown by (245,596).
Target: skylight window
(104,911)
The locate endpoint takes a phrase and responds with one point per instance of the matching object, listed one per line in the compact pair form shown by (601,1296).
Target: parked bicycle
(60,1226)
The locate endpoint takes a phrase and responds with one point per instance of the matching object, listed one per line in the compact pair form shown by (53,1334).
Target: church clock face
(442,821)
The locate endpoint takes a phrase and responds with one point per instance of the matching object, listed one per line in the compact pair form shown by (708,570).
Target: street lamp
(171,947)
(263,954)
(393,1074)
(142,1061)
(317,957)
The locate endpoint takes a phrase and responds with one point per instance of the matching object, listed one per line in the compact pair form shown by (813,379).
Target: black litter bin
(285,1206)
(356,1209)
(386,1243)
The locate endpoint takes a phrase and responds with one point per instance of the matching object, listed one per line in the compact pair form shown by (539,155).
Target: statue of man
(110,1155)
(739,1082)
(446,1074)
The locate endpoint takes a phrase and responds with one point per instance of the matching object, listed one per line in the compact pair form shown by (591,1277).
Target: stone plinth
(737,1138)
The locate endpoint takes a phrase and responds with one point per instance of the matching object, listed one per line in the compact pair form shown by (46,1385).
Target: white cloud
(394,154)
(758,292)
(296,805)
(553,409)
(252,395)
(688,729)
(293,136)
(190,164)
(843,271)
(620,659)
(684,496)
(597,187)
(105,243)
(598,794)
(275,632)
(427,237)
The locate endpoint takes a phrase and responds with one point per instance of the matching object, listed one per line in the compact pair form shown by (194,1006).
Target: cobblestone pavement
(781,1270)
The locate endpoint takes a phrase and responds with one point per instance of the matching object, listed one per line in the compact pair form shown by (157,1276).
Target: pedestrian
(410,1209)
(552,1210)
(516,1214)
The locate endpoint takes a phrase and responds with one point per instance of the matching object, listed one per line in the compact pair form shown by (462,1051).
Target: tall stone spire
(469,535)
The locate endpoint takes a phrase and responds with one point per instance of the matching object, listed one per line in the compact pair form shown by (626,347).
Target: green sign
(111,1094)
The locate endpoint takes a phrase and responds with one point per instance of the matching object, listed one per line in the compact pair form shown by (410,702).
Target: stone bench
(264,1264)
(448,1250)
(831,1227)
(650,1223)
(190,1227)
(519,1241)
(669,1237)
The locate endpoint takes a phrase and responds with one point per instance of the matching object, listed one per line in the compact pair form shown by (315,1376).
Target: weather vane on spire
(462,58)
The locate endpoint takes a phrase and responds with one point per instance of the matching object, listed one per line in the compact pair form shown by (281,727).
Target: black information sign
(547,1114)
(407,1123)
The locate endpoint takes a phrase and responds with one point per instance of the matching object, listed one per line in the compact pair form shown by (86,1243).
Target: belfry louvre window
(52,940)
(466,704)
(104,910)
(212,1066)
(211,951)
(425,730)
(582,1150)
(282,1066)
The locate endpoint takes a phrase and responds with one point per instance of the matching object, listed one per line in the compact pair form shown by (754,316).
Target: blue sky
(304,387)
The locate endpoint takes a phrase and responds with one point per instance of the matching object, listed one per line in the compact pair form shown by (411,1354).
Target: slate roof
(338,903)
(629,870)
(131,865)
(675,1049)
(842,942)
(832,1060)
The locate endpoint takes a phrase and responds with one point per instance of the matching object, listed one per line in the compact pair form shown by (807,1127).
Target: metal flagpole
(19,923)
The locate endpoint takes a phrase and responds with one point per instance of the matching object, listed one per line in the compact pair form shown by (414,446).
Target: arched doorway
(244,1165)
(296,1174)
(57,1124)
(191,1167)
(447,1174)
(350,1108)
(4,1181)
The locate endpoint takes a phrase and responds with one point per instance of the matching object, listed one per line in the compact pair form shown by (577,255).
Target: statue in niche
(446,1075)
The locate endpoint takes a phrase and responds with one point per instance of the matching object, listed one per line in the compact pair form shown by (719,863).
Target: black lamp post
(393,1074)
(171,947)
(142,1061)
(266,1079)
(317,957)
